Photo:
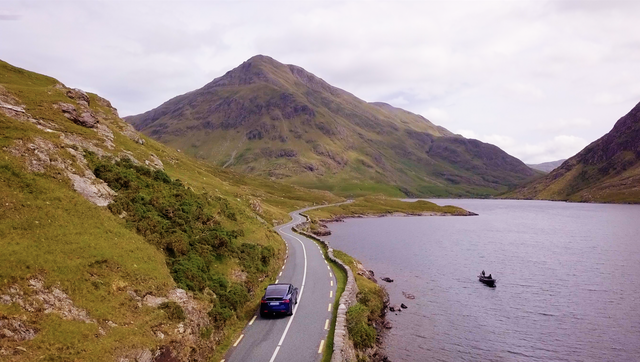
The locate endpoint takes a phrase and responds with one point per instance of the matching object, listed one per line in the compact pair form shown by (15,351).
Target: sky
(540,79)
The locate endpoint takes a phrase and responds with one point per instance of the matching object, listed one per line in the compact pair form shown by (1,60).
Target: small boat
(487,280)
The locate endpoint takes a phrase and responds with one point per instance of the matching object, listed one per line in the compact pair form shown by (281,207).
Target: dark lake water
(568,284)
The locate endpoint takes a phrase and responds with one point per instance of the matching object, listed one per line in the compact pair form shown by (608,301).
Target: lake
(568,280)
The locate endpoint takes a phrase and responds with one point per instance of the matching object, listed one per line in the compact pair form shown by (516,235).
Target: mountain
(547,166)
(116,247)
(279,121)
(607,170)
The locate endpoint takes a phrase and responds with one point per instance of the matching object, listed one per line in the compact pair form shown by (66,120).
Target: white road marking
(239,339)
(253,319)
(326,324)
(280,274)
(276,283)
(274,354)
(328,267)
(332,283)
(329,309)
(331,294)
(331,275)
(321,345)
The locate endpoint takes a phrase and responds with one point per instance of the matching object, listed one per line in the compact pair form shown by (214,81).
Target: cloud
(491,67)
(9,17)
(563,125)
(526,92)
(398,101)
(551,149)
(437,115)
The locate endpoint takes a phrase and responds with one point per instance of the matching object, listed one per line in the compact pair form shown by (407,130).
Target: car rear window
(276,290)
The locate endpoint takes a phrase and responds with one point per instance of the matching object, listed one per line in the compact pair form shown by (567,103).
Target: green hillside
(279,121)
(100,226)
(607,170)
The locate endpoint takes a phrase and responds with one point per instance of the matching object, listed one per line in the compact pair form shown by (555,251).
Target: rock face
(309,129)
(42,154)
(607,170)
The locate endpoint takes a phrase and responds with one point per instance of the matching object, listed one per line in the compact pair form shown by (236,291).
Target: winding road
(302,336)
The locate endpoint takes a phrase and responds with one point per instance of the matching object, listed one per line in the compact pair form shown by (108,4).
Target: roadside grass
(368,310)
(380,205)
(341,280)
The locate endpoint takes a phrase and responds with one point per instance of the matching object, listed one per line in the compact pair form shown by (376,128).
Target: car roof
(277,289)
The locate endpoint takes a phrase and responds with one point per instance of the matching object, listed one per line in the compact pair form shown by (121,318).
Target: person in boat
(483,273)
(490,276)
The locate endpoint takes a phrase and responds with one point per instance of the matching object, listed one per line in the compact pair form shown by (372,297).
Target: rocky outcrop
(38,298)
(184,342)
(16,329)
(154,162)
(42,154)
(83,117)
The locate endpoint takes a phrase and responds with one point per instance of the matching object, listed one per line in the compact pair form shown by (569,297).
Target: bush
(220,315)
(371,296)
(174,311)
(360,332)
(186,227)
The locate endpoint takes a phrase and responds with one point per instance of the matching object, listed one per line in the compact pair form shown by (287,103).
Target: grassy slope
(49,230)
(376,205)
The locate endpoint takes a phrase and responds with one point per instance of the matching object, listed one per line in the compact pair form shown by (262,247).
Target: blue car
(278,299)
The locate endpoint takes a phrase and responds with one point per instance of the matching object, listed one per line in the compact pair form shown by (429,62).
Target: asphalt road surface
(302,336)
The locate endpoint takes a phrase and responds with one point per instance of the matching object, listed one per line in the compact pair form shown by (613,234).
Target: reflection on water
(568,280)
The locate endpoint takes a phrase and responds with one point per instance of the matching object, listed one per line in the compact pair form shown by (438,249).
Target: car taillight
(263,301)
(286,300)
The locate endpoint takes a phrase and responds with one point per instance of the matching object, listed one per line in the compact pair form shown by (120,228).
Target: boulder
(403,306)
(85,119)
(408,295)
(152,301)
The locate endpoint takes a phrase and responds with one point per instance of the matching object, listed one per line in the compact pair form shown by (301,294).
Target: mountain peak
(257,69)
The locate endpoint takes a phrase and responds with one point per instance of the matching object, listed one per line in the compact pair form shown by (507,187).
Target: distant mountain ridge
(547,166)
(607,170)
(280,121)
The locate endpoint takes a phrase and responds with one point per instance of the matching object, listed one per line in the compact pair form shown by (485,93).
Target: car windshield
(276,290)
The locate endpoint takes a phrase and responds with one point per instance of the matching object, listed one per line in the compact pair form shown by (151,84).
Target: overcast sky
(540,79)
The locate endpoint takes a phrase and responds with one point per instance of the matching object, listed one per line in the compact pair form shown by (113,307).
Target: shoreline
(341,218)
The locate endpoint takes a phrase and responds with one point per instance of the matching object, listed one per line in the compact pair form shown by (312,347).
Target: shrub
(174,311)
(186,226)
(220,315)
(360,332)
